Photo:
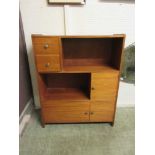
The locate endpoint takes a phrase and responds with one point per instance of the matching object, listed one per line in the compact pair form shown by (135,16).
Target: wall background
(25,88)
(97,17)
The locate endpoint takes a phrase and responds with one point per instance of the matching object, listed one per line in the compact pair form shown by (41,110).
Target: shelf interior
(92,52)
(67,86)
(90,68)
(66,93)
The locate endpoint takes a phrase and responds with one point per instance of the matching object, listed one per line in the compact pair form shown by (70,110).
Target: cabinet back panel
(67,80)
(87,48)
(84,62)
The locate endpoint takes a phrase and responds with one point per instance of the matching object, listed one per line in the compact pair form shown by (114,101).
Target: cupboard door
(48,63)
(66,112)
(104,86)
(102,111)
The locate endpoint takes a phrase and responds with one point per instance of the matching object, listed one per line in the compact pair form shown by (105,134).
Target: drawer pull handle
(47,65)
(91,113)
(92,88)
(86,113)
(46,46)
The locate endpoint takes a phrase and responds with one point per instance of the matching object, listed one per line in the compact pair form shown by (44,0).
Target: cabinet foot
(112,124)
(42,120)
(43,125)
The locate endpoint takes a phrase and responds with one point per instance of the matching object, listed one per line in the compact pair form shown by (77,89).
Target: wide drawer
(102,111)
(48,63)
(65,112)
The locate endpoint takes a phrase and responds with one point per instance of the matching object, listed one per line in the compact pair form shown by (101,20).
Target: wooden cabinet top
(81,36)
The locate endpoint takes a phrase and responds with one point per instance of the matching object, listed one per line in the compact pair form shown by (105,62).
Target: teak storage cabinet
(78,77)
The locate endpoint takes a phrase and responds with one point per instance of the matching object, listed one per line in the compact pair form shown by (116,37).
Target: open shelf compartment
(91,53)
(66,86)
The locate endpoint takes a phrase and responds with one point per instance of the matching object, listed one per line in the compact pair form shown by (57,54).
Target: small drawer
(46,48)
(45,40)
(46,45)
(48,63)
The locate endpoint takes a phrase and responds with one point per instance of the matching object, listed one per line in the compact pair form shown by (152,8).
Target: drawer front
(45,40)
(46,45)
(103,87)
(65,112)
(48,63)
(102,111)
(46,49)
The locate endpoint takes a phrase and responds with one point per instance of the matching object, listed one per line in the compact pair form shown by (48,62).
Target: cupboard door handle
(47,65)
(86,113)
(46,46)
(91,113)
(92,88)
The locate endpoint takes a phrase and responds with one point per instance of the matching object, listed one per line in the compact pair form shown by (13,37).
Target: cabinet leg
(42,120)
(112,124)
(42,124)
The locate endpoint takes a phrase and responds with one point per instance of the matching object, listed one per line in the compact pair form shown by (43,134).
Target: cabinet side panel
(120,68)
(118,45)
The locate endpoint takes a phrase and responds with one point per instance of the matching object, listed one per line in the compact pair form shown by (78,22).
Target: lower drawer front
(102,111)
(66,112)
(48,63)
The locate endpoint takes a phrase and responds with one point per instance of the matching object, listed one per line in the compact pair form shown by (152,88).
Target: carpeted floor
(81,139)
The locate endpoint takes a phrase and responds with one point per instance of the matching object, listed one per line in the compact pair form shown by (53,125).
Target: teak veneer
(78,77)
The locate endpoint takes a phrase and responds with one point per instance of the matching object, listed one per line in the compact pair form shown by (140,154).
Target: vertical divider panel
(61,53)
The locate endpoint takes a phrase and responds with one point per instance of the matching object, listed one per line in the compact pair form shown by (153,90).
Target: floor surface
(81,139)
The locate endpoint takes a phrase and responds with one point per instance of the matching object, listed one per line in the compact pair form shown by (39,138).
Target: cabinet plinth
(78,77)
